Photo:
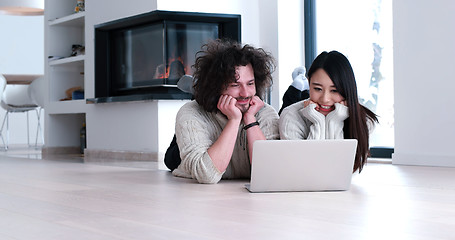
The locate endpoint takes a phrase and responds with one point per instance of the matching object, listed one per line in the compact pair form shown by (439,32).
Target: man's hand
(226,104)
(221,151)
(255,105)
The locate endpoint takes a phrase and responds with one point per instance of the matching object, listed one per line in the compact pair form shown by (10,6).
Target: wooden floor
(63,198)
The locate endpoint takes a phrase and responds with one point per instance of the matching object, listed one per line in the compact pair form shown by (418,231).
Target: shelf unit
(75,19)
(76,61)
(63,29)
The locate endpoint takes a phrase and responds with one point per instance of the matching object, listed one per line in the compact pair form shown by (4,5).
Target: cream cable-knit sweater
(297,122)
(196,130)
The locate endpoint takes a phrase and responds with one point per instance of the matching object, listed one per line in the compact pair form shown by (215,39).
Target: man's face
(244,88)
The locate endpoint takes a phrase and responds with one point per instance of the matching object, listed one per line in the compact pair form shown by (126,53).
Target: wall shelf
(66,107)
(78,60)
(63,29)
(76,20)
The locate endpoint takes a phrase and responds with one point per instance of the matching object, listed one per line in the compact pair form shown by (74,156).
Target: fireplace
(142,57)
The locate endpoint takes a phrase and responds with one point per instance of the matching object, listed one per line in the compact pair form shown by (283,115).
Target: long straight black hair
(338,68)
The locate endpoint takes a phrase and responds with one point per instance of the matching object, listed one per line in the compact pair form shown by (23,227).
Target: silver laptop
(302,165)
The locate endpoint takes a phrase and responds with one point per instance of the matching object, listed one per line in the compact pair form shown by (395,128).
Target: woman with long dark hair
(333,110)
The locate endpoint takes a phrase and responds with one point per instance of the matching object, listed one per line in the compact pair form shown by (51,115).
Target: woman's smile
(326,108)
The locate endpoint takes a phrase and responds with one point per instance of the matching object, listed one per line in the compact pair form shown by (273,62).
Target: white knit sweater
(297,122)
(196,131)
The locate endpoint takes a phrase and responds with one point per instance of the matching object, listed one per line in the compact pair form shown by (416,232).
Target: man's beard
(243,107)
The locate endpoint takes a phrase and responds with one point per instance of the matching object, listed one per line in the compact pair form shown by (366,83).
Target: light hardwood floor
(63,198)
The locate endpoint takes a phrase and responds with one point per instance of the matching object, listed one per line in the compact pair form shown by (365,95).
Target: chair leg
(38,128)
(28,130)
(1,132)
(41,130)
(5,138)
(7,129)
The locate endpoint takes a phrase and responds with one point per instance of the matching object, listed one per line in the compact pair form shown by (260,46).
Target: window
(362,31)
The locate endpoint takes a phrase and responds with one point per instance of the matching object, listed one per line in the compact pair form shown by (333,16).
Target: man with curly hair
(215,132)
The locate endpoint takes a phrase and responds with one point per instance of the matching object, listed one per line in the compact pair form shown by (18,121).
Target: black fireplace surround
(142,57)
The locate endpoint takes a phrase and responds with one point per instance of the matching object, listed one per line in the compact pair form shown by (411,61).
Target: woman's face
(323,92)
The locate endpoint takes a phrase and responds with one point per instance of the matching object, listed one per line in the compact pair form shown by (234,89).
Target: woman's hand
(307,103)
(340,113)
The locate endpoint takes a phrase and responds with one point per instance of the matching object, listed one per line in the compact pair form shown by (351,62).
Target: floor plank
(64,198)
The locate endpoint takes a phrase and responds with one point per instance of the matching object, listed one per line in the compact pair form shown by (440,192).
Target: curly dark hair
(215,69)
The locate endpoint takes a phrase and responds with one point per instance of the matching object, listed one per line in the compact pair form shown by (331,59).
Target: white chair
(36,92)
(15,98)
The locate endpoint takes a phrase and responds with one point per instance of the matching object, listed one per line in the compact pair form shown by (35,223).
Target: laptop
(302,165)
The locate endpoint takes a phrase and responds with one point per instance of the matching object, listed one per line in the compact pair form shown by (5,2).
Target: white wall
(135,126)
(291,52)
(21,44)
(424,50)
(21,52)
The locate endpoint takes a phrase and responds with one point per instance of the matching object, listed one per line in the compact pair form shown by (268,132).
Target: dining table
(20,78)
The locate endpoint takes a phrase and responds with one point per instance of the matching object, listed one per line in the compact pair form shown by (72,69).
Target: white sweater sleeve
(297,122)
(335,122)
(318,126)
(194,138)
(290,124)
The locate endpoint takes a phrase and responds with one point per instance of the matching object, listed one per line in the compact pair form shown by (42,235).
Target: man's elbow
(208,180)
(208,177)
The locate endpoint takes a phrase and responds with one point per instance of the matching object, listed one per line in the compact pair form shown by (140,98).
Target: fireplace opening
(144,56)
